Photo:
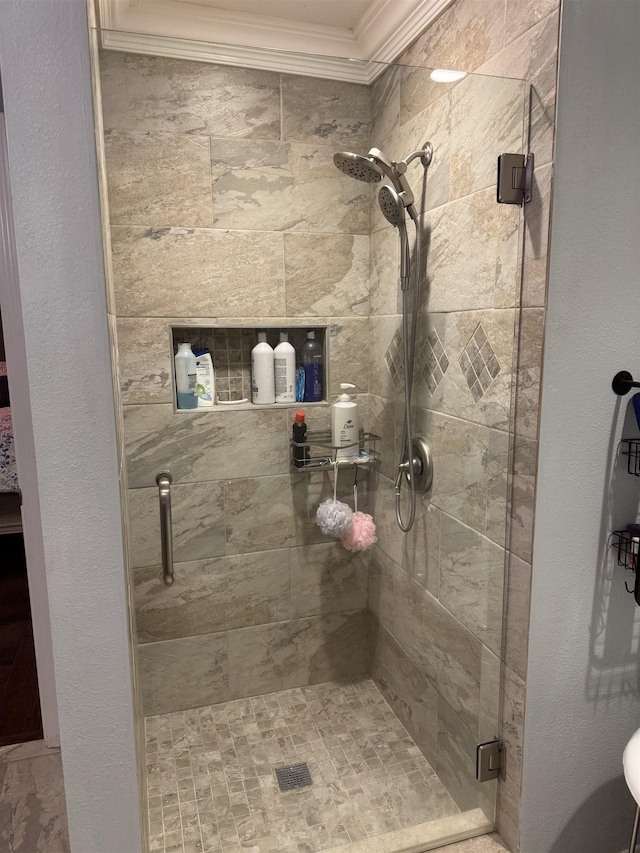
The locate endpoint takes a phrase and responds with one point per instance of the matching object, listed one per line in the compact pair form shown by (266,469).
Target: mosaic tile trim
(478,363)
(213,788)
(433,361)
(394,359)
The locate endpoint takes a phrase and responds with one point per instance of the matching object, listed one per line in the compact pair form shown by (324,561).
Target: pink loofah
(362,533)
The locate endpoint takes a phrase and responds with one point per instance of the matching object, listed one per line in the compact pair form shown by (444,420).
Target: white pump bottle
(345,428)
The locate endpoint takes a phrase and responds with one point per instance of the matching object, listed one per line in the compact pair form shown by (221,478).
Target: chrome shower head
(356,166)
(391,206)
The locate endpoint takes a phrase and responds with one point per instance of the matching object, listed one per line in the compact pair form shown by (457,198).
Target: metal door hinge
(488,761)
(515,178)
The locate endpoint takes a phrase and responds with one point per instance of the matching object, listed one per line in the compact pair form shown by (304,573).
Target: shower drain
(293,776)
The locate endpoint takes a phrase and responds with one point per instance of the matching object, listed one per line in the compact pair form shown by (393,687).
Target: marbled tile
(212,595)
(184,673)
(380,601)
(445,651)
(472,580)
(382,422)
(517,617)
(536,239)
(158,179)
(524,14)
(349,347)
(529,371)
(508,813)
(326,274)
(456,765)
(272,657)
(284,186)
(154,93)
(369,779)
(382,330)
(523,493)
(418,91)
(144,361)
(410,693)
(201,446)
(385,106)
(259,514)
(466,34)
(385,270)
(33,815)
(327,579)
(490,694)
(482,844)
(497,465)
(331,112)
(534,57)
(178,272)
(197,511)
(487,118)
(513,698)
(473,254)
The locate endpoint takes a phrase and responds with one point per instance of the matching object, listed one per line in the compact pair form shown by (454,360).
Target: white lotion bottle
(262,373)
(285,370)
(344,424)
(186,393)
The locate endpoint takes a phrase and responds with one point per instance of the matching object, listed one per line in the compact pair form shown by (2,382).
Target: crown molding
(190,30)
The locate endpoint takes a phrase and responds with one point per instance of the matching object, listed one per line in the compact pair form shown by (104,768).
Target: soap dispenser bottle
(262,373)
(344,424)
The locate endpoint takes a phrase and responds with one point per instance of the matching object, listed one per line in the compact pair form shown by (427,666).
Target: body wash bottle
(345,429)
(205,379)
(262,376)
(186,394)
(285,370)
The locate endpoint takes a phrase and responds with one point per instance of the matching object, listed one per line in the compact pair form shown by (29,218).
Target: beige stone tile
(144,364)
(381,597)
(213,595)
(326,274)
(327,579)
(490,687)
(531,344)
(259,514)
(508,813)
(385,106)
(383,328)
(184,673)
(522,512)
(483,844)
(472,580)
(410,693)
(198,447)
(349,348)
(534,57)
(473,239)
(524,14)
(536,239)
(197,511)
(385,270)
(462,38)
(159,179)
(517,616)
(513,698)
(330,112)
(497,466)
(418,91)
(272,657)
(154,93)
(284,186)
(381,421)
(487,115)
(177,272)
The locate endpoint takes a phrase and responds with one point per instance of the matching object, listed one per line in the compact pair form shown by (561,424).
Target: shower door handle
(166,533)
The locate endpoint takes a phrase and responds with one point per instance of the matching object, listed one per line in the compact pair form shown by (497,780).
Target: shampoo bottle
(262,375)
(285,370)
(186,393)
(312,363)
(344,425)
(205,380)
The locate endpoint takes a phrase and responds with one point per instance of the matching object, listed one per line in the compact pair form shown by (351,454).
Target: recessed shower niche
(230,348)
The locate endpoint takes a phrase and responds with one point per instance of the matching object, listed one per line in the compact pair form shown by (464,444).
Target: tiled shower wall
(225,207)
(517,38)
(436,593)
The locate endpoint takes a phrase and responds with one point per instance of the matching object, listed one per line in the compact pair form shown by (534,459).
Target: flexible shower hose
(409,342)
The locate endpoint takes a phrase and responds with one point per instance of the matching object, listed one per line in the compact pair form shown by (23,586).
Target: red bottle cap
(299,417)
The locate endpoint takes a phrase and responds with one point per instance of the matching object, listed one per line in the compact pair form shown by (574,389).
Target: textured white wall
(583,701)
(44,63)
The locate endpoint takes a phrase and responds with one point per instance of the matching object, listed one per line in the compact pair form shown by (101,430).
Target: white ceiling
(335,39)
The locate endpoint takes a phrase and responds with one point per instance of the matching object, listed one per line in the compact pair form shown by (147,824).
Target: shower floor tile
(213,787)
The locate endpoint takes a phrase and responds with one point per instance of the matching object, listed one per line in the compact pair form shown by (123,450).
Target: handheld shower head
(356,166)
(392,207)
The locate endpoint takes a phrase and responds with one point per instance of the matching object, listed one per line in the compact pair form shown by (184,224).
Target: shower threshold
(213,787)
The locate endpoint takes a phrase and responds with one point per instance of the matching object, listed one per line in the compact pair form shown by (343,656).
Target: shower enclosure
(297,696)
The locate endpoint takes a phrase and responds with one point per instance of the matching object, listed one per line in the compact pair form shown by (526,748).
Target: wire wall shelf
(627,545)
(318,454)
(631,449)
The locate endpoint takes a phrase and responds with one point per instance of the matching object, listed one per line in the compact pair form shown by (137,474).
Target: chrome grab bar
(166,533)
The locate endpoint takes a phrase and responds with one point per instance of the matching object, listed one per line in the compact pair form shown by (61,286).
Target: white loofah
(334,518)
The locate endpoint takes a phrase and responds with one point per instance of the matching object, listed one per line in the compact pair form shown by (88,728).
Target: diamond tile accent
(433,361)
(478,363)
(394,359)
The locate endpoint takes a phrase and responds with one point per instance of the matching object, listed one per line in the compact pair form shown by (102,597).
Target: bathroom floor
(213,787)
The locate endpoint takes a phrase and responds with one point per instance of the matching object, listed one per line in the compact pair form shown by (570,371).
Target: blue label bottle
(312,363)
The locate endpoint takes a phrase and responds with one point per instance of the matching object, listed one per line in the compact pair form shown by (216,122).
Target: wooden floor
(19,702)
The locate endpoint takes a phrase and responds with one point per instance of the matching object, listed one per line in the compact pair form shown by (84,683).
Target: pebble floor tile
(213,788)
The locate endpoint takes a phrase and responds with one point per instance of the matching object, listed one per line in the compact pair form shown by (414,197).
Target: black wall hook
(623,383)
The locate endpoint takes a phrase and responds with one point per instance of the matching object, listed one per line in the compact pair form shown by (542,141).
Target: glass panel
(276,646)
